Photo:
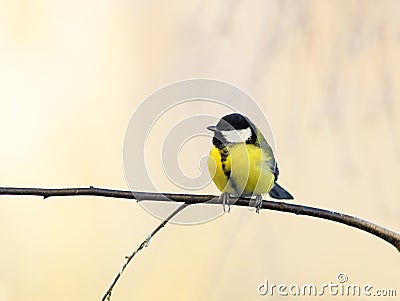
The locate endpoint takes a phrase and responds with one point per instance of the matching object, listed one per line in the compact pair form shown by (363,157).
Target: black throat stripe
(224,152)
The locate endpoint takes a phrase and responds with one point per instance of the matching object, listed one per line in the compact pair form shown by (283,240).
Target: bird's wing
(269,159)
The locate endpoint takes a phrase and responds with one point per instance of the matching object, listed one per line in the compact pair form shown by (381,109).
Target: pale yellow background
(325,73)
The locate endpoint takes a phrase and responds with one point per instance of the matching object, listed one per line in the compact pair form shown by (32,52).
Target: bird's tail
(277,192)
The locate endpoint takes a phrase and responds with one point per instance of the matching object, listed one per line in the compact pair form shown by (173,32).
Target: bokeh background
(325,73)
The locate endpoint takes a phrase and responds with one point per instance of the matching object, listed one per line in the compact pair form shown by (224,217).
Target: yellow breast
(240,170)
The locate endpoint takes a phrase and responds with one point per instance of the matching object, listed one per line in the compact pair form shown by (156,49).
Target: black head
(232,123)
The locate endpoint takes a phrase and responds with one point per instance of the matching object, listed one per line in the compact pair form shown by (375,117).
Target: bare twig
(187,199)
(145,243)
(385,234)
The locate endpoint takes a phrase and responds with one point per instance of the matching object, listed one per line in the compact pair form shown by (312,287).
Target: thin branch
(145,243)
(385,234)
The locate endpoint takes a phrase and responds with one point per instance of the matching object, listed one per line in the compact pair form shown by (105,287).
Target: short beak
(212,128)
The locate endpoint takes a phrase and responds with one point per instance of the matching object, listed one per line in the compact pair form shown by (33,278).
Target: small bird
(241,162)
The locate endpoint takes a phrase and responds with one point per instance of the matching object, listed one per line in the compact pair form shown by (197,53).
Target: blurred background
(325,73)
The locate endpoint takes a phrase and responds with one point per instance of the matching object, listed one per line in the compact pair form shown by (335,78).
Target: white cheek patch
(237,136)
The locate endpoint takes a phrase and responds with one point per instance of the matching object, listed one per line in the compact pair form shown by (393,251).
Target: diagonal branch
(144,243)
(383,233)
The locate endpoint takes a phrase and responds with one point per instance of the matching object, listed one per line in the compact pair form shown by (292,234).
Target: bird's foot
(259,201)
(224,198)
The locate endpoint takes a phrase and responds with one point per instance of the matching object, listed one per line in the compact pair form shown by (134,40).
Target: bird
(241,163)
